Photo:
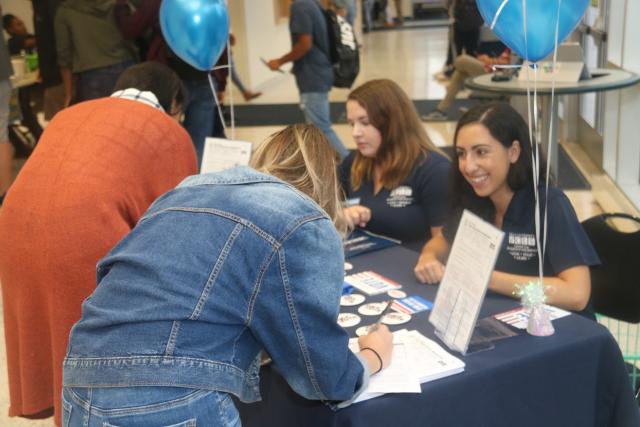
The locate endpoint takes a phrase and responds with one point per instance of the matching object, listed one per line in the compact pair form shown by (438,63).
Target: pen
(379,321)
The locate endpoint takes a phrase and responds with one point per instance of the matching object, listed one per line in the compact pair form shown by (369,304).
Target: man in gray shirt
(6,149)
(312,67)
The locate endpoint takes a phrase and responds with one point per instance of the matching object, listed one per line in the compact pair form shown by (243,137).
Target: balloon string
(533,132)
(215,97)
(498,12)
(231,103)
(552,112)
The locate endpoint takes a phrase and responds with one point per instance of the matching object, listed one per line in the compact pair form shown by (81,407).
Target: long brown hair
(404,140)
(301,155)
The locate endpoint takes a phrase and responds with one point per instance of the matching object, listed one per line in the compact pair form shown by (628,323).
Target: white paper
(467,273)
(415,360)
(519,318)
(428,360)
(220,154)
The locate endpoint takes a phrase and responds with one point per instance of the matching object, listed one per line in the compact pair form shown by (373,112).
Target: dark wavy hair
(505,125)
(157,78)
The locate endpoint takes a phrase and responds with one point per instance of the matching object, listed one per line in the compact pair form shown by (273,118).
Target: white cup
(19,67)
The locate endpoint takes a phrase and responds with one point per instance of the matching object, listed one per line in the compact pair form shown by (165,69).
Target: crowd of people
(189,281)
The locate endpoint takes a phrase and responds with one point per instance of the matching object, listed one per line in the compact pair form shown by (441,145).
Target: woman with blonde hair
(396,181)
(221,268)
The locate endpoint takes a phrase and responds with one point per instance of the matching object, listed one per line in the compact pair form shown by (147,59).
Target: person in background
(21,42)
(367,12)
(44,12)
(466,66)
(395,182)
(223,268)
(90,49)
(493,179)
(7,151)
(312,66)
(247,94)
(201,115)
(96,169)
(20,39)
(464,33)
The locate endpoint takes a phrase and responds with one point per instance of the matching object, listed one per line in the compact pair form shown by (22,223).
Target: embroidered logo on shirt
(400,197)
(522,246)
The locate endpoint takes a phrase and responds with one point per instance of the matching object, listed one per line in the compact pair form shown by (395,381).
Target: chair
(615,284)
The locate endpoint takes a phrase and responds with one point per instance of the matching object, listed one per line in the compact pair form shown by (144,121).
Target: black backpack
(343,50)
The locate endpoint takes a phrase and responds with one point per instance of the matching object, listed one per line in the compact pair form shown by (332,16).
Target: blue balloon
(196,30)
(542,16)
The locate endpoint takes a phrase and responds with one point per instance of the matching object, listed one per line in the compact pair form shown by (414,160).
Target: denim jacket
(221,267)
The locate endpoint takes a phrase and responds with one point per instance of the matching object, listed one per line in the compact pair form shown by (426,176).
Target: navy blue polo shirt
(567,243)
(313,72)
(407,212)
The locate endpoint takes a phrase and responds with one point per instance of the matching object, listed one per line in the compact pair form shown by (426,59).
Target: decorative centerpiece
(533,298)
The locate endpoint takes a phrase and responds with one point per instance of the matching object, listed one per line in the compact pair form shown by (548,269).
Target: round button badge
(372,309)
(351,300)
(395,318)
(347,320)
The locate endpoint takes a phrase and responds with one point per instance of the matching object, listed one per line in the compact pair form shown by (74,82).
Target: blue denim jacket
(219,268)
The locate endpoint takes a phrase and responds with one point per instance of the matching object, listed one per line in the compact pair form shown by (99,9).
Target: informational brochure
(363,241)
(220,154)
(519,318)
(464,284)
(371,283)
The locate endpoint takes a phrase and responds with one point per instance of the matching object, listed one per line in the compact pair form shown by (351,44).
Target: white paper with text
(220,154)
(464,284)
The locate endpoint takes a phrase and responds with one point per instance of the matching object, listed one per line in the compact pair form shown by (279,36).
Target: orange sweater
(97,168)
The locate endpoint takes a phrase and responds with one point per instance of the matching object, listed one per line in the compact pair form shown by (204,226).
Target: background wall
(21,8)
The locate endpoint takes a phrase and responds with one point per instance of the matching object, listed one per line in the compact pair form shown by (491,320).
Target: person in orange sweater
(97,168)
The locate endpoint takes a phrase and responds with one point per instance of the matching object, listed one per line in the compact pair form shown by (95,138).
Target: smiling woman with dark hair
(493,178)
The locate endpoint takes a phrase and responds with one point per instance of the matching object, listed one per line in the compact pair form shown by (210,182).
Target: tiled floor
(410,57)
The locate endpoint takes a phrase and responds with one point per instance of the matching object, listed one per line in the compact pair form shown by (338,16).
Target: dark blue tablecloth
(574,378)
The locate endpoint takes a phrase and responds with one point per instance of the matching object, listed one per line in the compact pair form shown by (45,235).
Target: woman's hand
(376,347)
(357,216)
(429,269)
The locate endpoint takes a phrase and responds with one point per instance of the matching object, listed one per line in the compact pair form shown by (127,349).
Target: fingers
(429,271)
(381,341)
(358,215)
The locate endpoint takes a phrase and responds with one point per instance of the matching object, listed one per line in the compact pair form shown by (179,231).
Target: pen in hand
(376,325)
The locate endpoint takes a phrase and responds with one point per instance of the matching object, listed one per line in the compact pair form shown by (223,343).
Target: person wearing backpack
(312,65)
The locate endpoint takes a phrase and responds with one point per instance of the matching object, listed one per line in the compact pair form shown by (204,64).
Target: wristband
(377,355)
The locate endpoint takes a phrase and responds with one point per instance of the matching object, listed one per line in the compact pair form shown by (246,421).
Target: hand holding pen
(376,347)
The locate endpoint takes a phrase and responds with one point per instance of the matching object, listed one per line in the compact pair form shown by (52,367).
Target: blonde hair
(302,156)
(404,139)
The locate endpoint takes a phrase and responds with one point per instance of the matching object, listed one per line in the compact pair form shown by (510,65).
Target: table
(24,80)
(603,79)
(574,378)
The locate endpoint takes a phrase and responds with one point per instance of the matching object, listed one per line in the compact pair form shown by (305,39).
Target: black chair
(615,286)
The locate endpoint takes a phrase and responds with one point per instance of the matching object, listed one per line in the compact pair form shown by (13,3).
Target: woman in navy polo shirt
(494,180)
(396,181)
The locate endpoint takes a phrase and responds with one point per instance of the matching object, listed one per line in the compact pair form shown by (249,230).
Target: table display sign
(464,284)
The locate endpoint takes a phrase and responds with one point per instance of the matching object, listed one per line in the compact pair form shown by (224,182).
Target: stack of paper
(416,359)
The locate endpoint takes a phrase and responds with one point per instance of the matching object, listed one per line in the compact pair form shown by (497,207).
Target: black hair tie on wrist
(377,355)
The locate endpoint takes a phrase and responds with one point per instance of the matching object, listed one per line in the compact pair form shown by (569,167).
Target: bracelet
(377,355)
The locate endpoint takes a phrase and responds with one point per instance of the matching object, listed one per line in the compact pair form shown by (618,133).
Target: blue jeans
(199,113)
(147,406)
(315,106)
(99,82)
